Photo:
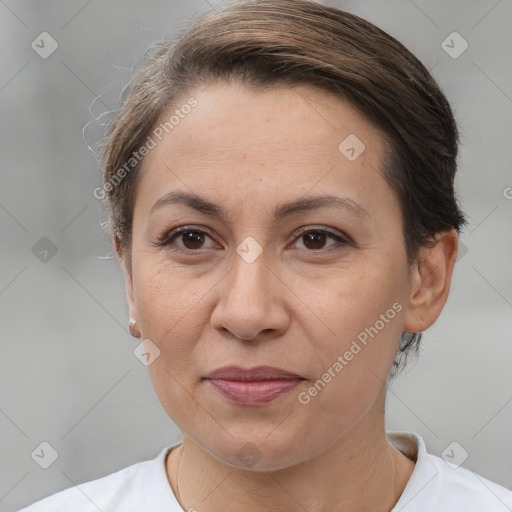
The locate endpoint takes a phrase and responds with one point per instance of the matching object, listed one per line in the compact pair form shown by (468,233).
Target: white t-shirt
(434,486)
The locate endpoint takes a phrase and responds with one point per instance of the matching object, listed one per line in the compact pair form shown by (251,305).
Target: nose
(252,304)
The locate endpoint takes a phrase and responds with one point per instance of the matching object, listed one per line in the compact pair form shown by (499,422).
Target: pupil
(317,238)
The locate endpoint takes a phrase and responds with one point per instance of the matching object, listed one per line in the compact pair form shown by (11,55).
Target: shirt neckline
(408,443)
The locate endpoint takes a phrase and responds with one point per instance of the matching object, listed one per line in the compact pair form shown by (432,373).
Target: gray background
(68,375)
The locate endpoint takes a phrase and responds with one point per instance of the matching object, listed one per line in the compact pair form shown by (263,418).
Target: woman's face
(264,285)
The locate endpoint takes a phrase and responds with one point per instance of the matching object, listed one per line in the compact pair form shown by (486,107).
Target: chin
(257,451)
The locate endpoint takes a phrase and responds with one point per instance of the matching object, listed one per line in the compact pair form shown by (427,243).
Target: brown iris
(314,239)
(193,239)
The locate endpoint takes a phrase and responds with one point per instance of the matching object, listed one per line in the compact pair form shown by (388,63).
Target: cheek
(171,313)
(171,308)
(363,308)
(353,299)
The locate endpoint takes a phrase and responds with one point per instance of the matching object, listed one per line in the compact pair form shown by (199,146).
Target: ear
(126,266)
(430,280)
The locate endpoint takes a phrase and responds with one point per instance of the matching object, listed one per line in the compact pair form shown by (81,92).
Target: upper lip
(257,373)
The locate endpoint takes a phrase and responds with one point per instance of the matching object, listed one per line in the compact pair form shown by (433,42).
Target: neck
(360,472)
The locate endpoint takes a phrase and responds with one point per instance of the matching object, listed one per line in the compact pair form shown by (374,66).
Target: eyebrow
(302,205)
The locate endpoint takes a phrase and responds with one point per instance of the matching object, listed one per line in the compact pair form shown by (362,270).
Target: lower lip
(255,392)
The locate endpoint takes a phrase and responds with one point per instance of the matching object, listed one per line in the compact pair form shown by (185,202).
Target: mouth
(253,386)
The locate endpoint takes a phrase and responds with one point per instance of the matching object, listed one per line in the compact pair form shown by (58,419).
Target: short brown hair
(261,43)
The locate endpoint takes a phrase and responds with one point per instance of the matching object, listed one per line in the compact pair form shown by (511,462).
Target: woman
(280,192)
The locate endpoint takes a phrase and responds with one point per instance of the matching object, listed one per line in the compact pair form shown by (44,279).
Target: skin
(298,306)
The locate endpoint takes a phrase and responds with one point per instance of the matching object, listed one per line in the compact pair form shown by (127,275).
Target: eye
(315,239)
(191,239)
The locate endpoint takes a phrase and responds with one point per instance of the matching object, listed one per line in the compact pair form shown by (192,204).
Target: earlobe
(430,281)
(126,267)
(130,295)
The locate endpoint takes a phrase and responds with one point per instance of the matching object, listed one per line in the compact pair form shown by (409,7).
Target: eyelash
(167,240)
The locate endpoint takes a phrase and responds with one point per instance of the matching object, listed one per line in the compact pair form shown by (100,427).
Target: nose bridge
(249,304)
(249,277)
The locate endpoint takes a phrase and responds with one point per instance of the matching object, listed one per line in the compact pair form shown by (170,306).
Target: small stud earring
(134,330)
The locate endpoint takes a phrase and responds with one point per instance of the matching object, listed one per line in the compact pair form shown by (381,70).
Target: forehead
(279,117)
(281,141)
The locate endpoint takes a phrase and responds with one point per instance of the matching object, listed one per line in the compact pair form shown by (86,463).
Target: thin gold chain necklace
(181,453)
